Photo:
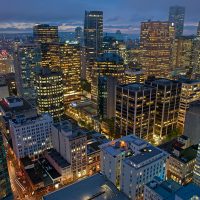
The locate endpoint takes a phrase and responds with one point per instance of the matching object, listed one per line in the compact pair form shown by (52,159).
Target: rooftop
(110,57)
(30,120)
(189,81)
(161,81)
(189,192)
(186,155)
(136,87)
(121,145)
(145,154)
(15,105)
(58,158)
(49,168)
(165,189)
(96,187)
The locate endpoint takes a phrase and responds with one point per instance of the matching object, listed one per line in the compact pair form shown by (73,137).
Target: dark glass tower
(177,16)
(93,37)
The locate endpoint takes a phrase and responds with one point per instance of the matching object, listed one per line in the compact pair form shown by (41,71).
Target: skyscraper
(50,93)
(190,92)
(106,96)
(135,110)
(182,56)
(79,35)
(177,16)
(27,61)
(196,59)
(70,57)
(156,40)
(167,105)
(107,64)
(93,38)
(47,37)
(192,125)
(44,33)
(5,188)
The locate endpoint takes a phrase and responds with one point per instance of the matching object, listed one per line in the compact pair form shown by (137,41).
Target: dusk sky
(125,15)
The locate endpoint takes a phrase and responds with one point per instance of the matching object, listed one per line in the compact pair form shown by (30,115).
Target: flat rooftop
(15,105)
(165,189)
(85,106)
(49,168)
(189,191)
(96,187)
(93,147)
(114,148)
(30,120)
(110,57)
(64,125)
(162,81)
(145,154)
(58,158)
(186,155)
(136,87)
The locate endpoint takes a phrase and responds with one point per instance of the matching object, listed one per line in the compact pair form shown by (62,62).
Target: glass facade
(156,42)
(177,16)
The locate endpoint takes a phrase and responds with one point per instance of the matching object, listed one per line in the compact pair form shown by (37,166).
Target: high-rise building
(51,55)
(198,30)
(129,163)
(177,16)
(167,105)
(31,136)
(70,57)
(47,37)
(196,177)
(192,125)
(190,92)
(93,38)
(6,62)
(134,75)
(27,62)
(44,33)
(106,96)
(135,110)
(107,64)
(182,56)
(79,35)
(196,59)
(5,187)
(49,87)
(156,41)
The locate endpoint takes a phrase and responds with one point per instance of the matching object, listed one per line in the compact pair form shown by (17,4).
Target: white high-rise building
(130,163)
(31,136)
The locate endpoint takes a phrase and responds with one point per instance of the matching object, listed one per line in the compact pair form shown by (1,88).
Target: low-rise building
(71,143)
(168,190)
(181,160)
(130,163)
(94,187)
